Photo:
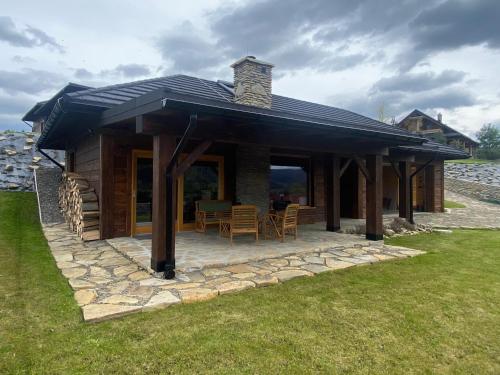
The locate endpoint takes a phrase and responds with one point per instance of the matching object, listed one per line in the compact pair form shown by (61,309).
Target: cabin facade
(420,123)
(152,148)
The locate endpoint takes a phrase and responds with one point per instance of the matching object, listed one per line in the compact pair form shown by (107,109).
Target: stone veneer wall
(19,158)
(473,189)
(253,83)
(252,176)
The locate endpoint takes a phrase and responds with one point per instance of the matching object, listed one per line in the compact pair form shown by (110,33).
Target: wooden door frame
(180,226)
(133,206)
(180,190)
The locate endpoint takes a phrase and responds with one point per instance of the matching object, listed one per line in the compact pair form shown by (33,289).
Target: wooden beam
(192,157)
(374,195)
(362,168)
(106,187)
(395,168)
(345,166)
(429,184)
(405,198)
(163,149)
(332,192)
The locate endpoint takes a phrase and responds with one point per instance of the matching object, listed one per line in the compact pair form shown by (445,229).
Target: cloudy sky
(437,56)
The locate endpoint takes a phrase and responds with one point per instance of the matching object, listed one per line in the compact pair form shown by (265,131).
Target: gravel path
(47,184)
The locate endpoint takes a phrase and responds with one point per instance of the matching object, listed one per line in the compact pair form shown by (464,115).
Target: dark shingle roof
(432,147)
(111,96)
(44,108)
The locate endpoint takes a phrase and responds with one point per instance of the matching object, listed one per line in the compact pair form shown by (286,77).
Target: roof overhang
(165,99)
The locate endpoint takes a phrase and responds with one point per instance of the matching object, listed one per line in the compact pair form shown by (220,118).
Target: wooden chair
(210,212)
(243,221)
(281,225)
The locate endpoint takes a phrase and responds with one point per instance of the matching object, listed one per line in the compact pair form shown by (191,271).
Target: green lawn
(472,161)
(436,313)
(452,204)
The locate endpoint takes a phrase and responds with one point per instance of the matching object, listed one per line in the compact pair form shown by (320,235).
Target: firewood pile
(79,206)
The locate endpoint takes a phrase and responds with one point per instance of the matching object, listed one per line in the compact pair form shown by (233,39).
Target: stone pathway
(108,285)
(476,214)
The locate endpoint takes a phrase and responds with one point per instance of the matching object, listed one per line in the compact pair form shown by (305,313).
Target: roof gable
(418,113)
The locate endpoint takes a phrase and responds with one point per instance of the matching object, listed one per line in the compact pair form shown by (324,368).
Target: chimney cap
(252,59)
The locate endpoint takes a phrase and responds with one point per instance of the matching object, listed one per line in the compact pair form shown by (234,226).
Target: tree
(489,142)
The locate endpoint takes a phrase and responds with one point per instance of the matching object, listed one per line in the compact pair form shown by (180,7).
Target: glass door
(203,180)
(142,192)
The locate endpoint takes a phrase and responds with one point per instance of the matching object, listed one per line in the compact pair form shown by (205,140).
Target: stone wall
(475,190)
(481,173)
(252,176)
(19,158)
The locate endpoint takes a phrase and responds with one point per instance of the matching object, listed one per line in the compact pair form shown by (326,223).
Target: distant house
(422,124)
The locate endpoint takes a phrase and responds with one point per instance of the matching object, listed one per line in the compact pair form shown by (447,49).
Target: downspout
(170,180)
(50,158)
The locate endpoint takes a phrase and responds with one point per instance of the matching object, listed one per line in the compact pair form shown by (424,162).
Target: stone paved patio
(195,251)
(476,214)
(107,284)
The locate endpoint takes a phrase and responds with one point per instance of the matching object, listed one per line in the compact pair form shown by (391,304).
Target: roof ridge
(119,85)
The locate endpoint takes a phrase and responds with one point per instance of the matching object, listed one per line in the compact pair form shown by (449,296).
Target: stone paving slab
(107,289)
(195,251)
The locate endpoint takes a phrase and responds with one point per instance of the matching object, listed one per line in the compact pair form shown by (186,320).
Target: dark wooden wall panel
(319,188)
(87,160)
(439,186)
(121,191)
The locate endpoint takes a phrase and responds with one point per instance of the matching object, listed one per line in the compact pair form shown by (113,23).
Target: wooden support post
(332,193)
(404,190)
(163,241)
(429,186)
(106,186)
(374,193)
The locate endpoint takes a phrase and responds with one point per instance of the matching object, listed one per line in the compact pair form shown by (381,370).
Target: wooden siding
(319,188)
(122,191)
(438,195)
(87,160)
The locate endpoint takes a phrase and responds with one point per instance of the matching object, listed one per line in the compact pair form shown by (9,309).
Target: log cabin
(150,149)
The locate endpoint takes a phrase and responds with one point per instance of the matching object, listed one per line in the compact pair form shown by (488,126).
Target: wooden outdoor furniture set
(243,219)
(210,212)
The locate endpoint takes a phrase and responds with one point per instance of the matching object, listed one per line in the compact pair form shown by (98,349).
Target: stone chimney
(253,82)
(440,117)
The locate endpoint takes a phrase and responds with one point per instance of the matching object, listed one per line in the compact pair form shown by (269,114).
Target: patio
(195,251)
(109,284)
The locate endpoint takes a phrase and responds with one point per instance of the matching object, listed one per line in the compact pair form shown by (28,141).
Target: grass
(436,313)
(452,204)
(472,161)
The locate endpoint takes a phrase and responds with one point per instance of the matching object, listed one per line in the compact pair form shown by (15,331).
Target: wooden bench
(209,212)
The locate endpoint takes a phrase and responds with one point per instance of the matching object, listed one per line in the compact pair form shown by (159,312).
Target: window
(288,184)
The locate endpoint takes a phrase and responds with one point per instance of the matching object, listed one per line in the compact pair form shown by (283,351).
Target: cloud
(82,73)
(454,24)
(30,81)
(28,37)
(12,108)
(125,71)
(416,82)
(23,59)
(397,104)
(128,71)
(188,52)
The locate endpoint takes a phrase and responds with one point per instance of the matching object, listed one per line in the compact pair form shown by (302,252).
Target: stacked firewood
(79,206)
